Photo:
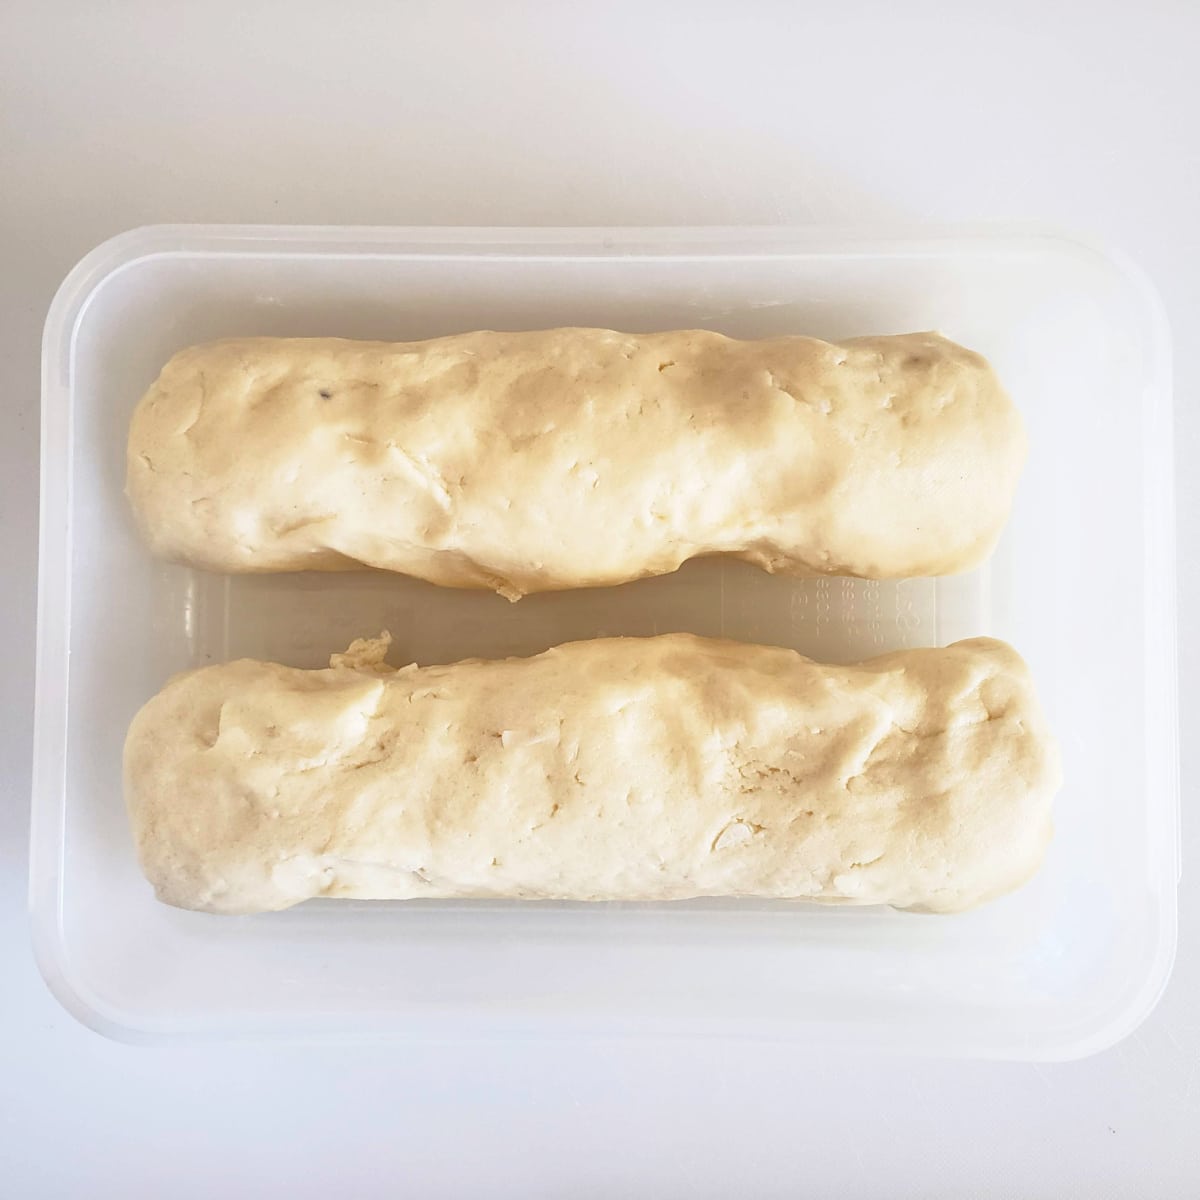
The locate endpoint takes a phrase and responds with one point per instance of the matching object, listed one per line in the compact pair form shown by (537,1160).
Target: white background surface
(114,115)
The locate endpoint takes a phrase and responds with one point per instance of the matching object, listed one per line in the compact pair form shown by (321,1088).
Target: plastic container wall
(1082,584)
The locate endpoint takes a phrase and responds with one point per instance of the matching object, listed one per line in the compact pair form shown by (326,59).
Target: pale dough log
(528,462)
(629,769)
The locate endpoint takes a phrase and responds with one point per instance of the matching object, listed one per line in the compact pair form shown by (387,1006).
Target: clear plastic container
(1082,584)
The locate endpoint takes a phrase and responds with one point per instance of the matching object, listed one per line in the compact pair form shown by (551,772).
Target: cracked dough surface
(630,768)
(564,458)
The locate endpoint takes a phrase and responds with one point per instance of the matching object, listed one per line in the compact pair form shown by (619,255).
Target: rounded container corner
(1109,1029)
(94,268)
(73,998)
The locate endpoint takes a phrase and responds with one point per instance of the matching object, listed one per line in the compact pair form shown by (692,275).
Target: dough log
(525,462)
(628,769)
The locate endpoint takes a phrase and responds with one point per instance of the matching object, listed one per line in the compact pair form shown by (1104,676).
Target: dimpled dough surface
(525,462)
(630,769)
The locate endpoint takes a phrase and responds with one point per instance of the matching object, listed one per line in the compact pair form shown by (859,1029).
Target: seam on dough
(286,527)
(186,431)
(867,862)
(426,472)
(822,404)
(773,382)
